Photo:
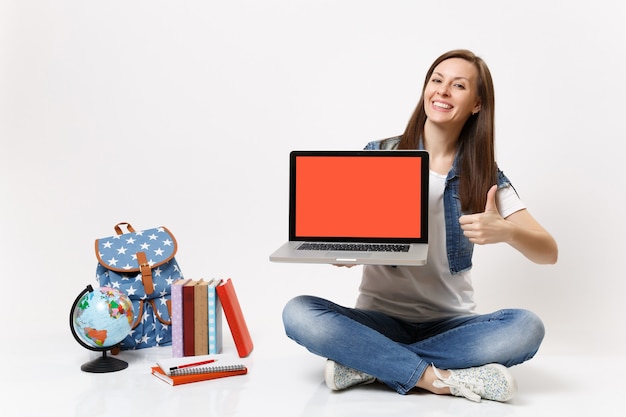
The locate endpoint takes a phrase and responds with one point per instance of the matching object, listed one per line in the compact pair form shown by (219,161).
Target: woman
(416,327)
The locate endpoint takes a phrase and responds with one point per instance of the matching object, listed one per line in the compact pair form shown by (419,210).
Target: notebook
(195,377)
(178,371)
(200,364)
(357,207)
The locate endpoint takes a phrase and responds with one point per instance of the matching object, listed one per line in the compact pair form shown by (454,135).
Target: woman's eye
(460,86)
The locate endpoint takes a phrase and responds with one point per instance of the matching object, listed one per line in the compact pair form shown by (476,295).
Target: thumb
(491,205)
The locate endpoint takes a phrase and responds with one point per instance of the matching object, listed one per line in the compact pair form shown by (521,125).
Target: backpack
(141,264)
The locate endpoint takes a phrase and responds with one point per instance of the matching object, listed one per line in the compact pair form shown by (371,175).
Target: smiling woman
(417,326)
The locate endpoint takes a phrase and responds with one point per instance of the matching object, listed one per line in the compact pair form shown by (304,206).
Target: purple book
(177,318)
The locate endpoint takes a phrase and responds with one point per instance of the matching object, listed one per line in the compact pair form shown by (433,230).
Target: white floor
(285,380)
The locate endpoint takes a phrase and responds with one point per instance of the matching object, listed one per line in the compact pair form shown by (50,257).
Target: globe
(100,319)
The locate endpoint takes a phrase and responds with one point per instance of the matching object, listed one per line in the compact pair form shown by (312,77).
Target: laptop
(357,207)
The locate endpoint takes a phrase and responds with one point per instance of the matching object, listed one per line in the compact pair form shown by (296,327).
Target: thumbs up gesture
(487,227)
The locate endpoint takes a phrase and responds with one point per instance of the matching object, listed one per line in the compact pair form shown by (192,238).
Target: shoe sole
(329,375)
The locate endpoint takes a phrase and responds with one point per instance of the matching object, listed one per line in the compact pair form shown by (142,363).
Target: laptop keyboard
(356,247)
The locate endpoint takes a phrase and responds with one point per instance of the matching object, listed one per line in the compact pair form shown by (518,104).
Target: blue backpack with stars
(141,264)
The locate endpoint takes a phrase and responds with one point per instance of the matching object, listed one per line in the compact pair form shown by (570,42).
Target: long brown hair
(475,145)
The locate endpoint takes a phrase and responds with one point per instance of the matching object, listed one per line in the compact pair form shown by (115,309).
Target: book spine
(234,317)
(215,320)
(201,319)
(188,320)
(177,318)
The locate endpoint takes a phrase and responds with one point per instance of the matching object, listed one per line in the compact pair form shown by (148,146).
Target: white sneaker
(491,382)
(340,377)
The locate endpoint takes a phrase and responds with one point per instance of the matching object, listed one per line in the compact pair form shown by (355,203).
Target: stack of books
(197,307)
(178,371)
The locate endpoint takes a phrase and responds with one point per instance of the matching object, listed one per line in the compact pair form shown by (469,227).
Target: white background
(182,113)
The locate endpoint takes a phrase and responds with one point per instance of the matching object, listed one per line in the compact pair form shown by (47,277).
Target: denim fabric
(397,352)
(459,248)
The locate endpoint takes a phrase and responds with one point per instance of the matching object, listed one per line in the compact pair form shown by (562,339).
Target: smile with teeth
(441,105)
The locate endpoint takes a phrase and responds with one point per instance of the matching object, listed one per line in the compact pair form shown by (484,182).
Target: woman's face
(451,93)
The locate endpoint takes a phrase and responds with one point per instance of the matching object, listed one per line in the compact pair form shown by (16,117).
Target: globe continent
(103,318)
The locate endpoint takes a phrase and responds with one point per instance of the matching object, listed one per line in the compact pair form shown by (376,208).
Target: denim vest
(459,248)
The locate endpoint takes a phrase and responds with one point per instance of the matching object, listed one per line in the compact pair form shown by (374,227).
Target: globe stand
(104,363)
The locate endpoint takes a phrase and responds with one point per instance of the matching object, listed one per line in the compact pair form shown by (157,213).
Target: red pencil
(189,365)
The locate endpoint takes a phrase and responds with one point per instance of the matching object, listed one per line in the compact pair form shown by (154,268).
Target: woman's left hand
(486,227)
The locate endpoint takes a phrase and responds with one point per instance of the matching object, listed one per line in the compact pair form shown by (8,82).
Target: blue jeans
(397,352)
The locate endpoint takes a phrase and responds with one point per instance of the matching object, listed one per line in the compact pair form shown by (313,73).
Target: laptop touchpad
(339,254)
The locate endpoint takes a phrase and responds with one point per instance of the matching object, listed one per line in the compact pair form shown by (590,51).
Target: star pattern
(158,245)
(118,268)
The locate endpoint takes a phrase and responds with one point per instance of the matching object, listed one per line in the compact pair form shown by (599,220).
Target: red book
(234,317)
(188,318)
(186,379)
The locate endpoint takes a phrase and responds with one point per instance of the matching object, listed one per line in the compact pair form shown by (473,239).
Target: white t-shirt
(422,293)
